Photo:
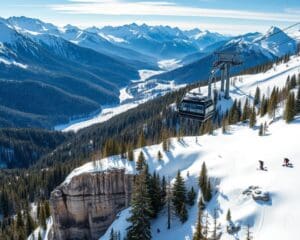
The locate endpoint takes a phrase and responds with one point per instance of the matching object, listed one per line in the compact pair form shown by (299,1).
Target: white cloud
(111,7)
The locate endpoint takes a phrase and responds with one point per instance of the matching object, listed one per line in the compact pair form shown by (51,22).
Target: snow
(232,161)
(124,95)
(230,158)
(12,62)
(106,114)
(44,233)
(112,38)
(169,64)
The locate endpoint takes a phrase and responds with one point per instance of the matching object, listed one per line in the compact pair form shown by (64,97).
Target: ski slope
(232,161)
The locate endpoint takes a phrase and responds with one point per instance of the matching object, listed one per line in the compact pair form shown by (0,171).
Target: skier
(261,165)
(286,162)
(158,230)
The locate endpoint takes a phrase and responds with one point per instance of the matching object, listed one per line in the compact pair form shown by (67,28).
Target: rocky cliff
(84,207)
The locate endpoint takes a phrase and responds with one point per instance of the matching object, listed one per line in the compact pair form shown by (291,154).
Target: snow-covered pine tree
(289,111)
(204,184)
(252,120)
(257,96)
(141,162)
(179,196)
(29,225)
(140,227)
(142,140)
(246,111)
(183,215)
(203,177)
(155,194)
(159,156)
(263,106)
(228,216)
(169,204)
(272,103)
(130,154)
(215,226)
(191,195)
(298,100)
(198,235)
(261,130)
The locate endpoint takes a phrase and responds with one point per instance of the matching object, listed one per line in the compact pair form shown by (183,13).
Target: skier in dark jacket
(261,165)
(286,162)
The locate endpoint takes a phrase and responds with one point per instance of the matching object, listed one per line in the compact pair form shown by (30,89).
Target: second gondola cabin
(196,106)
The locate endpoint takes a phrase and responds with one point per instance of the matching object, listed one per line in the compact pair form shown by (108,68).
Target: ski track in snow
(232,159)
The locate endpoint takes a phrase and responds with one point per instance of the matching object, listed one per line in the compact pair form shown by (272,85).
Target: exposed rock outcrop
(85,207)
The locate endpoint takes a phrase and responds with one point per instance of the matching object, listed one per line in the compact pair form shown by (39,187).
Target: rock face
(87,205)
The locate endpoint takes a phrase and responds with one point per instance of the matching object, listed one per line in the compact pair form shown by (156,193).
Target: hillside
(22,148)
(58,68)
(232,161)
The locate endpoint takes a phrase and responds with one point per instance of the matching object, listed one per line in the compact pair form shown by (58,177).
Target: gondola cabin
(197,107)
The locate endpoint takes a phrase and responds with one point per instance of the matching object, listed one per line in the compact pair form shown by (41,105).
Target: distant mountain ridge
(254,49)
(74,71)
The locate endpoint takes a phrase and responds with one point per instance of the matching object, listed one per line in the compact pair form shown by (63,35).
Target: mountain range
(50,74)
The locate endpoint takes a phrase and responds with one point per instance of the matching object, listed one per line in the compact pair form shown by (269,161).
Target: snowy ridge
(232,159)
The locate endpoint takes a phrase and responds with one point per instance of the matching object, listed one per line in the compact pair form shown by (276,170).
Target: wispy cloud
(165,8)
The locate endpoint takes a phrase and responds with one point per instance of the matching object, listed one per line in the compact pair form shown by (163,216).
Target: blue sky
(225,16)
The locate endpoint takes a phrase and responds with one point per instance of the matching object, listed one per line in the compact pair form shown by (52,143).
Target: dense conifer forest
(149,123)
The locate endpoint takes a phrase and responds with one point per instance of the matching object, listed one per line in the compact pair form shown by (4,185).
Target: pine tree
(272,104)
(166,141)
(159,156)
(246,111)
(183,215)
(42,218)
(261,130)
(298,100)
(252,120)
(47,209)
(208,192)
(263,106)
(142,140)
(179,195)
(169,205)
(201,204)
(163,191)
(257,96)
(248,236)
(20,222)
(130,155)
(203,177)
(198,233)
(215,226)
(112,235)
(155,194)
(289,112)
(29,226)
(141,162)
(228,216)
(123,150)
(140,227)
(191,196)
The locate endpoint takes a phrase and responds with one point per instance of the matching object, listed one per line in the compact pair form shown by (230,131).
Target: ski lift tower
(223,63)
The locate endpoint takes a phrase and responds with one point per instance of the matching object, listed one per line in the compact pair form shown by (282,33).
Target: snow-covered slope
(232,159)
